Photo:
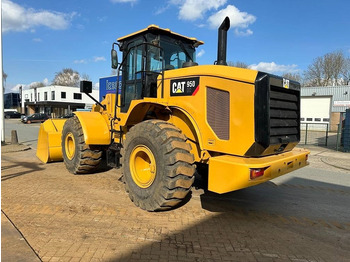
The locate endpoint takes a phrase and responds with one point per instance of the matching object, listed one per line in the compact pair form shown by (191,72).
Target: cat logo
(178,87)
(184,86)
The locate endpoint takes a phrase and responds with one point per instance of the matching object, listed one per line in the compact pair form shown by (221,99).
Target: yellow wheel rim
(70,146)
(142,166)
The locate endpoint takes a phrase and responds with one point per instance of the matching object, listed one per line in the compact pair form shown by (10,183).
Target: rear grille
(276,115)
(284,115)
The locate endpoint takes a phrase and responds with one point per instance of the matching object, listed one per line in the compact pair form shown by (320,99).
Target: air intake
(218,112)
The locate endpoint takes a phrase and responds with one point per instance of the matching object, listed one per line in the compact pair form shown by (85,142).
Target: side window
(133,85)
(134,63)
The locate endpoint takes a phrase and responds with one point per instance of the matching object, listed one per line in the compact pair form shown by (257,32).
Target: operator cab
(146,55)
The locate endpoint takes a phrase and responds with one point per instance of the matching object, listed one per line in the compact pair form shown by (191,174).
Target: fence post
(307,124)
(327,135)
(337,144)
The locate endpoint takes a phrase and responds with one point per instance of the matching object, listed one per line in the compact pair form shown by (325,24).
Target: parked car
(12,114)
(67,115)
(35,118)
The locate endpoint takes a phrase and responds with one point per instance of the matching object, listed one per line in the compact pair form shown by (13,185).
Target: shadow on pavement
(262,223)
(29,166)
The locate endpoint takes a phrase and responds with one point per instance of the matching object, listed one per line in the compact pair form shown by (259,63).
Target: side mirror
(114,57)
(85,87)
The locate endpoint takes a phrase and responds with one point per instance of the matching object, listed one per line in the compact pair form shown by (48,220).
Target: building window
(77,96)
(52,95)
(325,119)
(308,119)
(45,96)
(31,97)
(38,97)
(63,94)
(318,119)
(26,96)
(302,119)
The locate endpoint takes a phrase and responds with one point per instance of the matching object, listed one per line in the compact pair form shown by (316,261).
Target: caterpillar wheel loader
(170,114)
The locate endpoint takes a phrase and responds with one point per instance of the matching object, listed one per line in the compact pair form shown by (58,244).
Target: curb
(10,148)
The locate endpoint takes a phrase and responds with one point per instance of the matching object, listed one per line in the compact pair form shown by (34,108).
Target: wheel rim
(70,146)
(143,166)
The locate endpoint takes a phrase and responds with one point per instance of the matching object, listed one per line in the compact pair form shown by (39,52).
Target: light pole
(2,89)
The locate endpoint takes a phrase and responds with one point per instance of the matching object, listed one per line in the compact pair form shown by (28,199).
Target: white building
(55,100)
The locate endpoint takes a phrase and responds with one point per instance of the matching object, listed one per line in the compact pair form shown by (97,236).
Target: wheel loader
(170,115)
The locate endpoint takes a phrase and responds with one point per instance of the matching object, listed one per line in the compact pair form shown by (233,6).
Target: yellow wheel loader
(170,115)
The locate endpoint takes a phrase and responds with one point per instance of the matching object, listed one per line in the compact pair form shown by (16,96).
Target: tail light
(257,172)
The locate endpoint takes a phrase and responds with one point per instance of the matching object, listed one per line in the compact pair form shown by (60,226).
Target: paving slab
(91,218)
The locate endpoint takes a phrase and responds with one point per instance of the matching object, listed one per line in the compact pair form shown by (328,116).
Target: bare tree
(327,70)
(237,64)
(36,85)
(67,77)
(85,77)
(346,71)
(4,77)
(293,76)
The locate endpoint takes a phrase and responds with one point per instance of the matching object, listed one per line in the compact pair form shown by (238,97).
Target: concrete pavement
(14,246)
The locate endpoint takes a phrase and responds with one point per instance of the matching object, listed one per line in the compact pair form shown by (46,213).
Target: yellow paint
(162,30)
(239,83)
(143,166)
(229,173)
(49,140)
(69,145)
(95,128)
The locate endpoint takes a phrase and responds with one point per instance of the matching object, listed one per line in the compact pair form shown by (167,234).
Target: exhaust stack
(222,41)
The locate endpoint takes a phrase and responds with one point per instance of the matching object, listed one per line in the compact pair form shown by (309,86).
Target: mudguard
(95,128)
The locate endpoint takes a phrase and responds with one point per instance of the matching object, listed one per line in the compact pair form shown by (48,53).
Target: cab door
(132,77)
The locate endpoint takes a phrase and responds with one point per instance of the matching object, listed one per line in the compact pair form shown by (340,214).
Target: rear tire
(157,165)
(78,157)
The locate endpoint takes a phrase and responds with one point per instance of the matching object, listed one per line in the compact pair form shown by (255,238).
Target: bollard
(14,138)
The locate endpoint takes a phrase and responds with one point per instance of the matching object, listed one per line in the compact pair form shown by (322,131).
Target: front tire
(157,165)
(78,157)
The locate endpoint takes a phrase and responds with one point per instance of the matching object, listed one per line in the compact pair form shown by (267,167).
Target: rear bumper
(229,173)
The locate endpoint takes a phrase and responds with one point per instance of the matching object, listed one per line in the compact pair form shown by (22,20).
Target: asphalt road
(27,133)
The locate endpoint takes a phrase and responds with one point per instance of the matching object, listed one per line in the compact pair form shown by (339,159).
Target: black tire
(7,117)
(78,157)
(174,168)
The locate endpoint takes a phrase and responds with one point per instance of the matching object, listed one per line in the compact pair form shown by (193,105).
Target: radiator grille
(218,112)
(284,115)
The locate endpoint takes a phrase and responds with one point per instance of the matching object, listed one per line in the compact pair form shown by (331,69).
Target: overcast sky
(42,37)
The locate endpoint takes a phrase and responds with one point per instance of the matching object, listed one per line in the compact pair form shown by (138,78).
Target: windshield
(176,53)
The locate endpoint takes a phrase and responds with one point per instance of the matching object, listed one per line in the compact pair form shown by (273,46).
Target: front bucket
(49,147)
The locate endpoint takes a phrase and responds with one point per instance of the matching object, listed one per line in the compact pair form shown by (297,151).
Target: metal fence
(314,134)
(318,134)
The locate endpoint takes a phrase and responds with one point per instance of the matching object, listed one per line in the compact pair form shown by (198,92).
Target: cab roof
(157,30)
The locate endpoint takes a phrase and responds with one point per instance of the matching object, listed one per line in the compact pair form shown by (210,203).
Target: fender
(95,128)
(189,127)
